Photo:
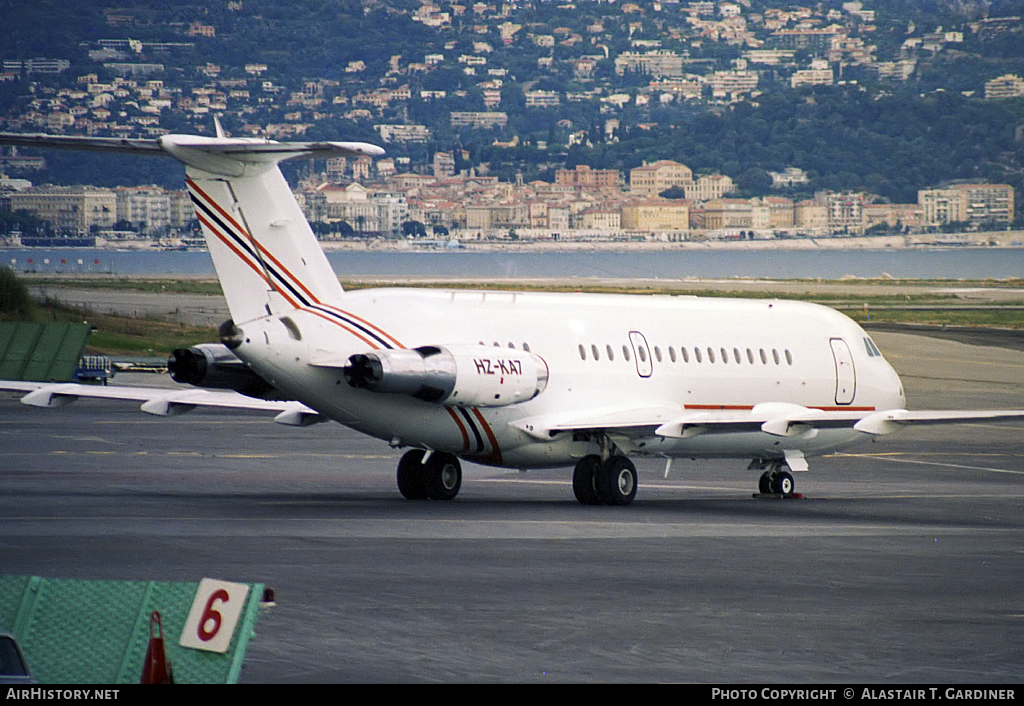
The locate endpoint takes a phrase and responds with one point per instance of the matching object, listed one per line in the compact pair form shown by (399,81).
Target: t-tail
(266,256)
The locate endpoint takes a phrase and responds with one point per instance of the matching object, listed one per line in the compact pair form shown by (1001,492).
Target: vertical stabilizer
(267,258)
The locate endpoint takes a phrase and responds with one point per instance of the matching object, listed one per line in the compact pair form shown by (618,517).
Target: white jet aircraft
(518,380)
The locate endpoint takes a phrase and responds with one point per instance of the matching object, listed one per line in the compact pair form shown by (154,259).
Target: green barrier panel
(96,632)
(41,352)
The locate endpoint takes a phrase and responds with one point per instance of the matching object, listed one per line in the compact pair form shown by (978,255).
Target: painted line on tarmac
(892,457)
(474,530)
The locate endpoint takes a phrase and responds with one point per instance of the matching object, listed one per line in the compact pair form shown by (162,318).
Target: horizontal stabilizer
(88,144)
(267,258)
(228,156)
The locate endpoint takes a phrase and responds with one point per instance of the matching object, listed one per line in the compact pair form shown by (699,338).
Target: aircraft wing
(777,419)
(163,402)
(667,420)
(882,423)
(619,419)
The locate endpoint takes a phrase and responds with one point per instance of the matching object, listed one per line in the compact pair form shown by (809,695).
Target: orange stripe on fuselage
(364,321)
(462,427)
(337,323)
(490,434)
(295,280)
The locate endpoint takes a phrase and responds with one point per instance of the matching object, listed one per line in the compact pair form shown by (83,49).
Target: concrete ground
(902,564)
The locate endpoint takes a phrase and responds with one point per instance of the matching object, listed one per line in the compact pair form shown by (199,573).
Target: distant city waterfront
(939,263)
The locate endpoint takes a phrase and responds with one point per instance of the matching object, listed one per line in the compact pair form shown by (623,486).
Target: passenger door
(846,377)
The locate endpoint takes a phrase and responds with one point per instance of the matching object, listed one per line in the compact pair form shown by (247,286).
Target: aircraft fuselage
(674,354)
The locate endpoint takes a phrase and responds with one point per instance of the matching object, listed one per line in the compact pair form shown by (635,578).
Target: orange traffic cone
(156,669)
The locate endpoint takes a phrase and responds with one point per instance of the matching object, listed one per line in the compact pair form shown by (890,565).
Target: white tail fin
(266,256)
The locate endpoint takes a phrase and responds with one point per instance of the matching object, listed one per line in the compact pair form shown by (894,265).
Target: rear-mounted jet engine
(469,376)
(213,365)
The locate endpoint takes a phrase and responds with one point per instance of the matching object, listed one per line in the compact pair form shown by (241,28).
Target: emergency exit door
(641,354)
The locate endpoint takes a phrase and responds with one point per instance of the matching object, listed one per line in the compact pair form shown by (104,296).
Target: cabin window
(642,354)
(657,353)
(764,357)
(736,355)
(611,353)
(593,349)
(625,352)
(725,356)
(696,352)
(686,354)
(583,352)
(711,355)
(789,357)
(526,347)
(775,356)
(750,356)
(672,354)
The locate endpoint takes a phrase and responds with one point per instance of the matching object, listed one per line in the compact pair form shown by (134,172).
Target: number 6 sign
(214,615)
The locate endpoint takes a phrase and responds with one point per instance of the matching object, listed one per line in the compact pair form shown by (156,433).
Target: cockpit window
(871,348)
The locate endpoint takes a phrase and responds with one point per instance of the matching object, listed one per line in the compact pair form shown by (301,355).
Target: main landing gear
(437,476)
(776,481)
(612,482)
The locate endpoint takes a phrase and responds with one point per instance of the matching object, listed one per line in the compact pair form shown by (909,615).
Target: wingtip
(363,148)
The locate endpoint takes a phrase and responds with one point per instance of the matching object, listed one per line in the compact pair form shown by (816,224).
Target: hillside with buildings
(514,120)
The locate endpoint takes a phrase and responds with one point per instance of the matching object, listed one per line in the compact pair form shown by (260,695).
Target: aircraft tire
(617,481)
(764,484)
(411,475)
(442,476)
(584,480)
(784,484)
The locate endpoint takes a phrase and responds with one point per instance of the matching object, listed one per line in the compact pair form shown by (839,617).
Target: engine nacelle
(469,376)
(213,365)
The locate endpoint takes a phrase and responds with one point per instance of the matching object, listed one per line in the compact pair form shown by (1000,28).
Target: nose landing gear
(777,480)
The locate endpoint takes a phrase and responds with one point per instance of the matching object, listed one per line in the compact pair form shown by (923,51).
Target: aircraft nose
(895,386)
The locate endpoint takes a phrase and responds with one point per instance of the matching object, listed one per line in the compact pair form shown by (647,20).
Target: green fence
(96,632)
(41,352)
